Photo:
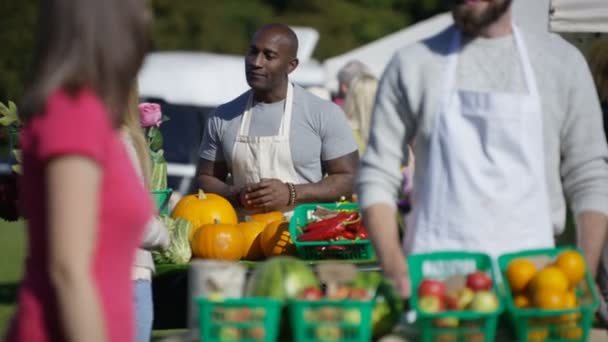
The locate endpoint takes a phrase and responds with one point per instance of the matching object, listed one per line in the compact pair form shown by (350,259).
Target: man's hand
(267,195)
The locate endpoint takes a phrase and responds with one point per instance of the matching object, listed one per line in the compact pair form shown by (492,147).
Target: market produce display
(330,231)
(455,296)
(550,294)
(202,208)
(355,310)
(281,278)
(179,251)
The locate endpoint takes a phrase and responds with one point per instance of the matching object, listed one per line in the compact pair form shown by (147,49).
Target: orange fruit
(549,299)
(521,301)
(549,277)
(570,302)
(519,273)
(572,264)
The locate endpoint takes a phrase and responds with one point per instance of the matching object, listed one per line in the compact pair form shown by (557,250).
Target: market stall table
(170,290)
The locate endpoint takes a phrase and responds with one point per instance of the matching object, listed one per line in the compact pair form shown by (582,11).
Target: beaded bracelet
(292,194)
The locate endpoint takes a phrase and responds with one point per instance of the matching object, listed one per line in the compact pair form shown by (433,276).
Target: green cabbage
(179,251)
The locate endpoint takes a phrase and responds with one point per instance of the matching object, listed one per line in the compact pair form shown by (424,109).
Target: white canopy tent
(378,53)
(578,16)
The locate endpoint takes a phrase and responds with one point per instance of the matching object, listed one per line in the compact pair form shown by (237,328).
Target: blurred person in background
(346,75)
(156,235)
(282,145)
(85,205)
(358,107)
(505,123)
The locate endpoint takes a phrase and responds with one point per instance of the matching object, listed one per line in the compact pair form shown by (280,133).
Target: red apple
(430,304)
(479,281)
(484,301)
(311,293)
(432,287)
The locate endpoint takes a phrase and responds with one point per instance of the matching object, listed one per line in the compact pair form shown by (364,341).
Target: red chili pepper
(323,234)
(332,221)
(362,233)
(348,235)
(355,225)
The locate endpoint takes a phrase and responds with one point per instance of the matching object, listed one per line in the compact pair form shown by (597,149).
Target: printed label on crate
(446,268)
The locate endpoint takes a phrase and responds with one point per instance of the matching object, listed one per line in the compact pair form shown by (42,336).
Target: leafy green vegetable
(179,251)
(158,179)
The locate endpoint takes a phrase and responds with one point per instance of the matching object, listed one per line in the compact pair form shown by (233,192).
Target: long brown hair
(132,126)
(96,44)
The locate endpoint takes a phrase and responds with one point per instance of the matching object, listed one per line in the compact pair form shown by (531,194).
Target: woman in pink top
(85,206)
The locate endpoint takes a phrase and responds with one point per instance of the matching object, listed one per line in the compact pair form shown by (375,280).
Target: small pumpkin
(266,218)
(218,241)
(201,209)
(276,239)
(252,248)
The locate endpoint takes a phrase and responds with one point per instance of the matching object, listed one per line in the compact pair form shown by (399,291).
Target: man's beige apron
(257,157)
(485,189)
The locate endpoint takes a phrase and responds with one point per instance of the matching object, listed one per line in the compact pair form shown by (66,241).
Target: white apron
(257,157)
(485,189)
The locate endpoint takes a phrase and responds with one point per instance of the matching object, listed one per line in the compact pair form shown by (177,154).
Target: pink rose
(150,114)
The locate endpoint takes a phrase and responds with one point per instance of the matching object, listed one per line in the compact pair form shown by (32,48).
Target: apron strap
(284,127)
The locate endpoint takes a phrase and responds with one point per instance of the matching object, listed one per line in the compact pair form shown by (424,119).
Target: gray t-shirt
(319,131)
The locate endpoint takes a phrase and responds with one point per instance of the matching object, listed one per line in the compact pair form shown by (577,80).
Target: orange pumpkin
(201,209)
(252,248)
(276,239)
(266,218)
(218,241)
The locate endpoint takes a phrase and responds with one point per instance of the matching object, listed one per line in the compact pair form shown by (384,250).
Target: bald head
(272,56)
(281,34)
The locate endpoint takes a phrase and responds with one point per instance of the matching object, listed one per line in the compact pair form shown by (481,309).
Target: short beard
(466,21)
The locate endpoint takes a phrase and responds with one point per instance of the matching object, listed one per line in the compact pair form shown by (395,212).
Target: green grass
(12,253)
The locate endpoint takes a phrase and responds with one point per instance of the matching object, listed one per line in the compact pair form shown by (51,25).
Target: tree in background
(224,27)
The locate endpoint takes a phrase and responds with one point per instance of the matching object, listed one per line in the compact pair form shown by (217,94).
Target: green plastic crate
(331,320)
(533,324)
(471,325)
(319,250)
(242,319)
(161,199)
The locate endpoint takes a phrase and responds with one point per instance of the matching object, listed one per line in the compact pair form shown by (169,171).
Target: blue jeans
(144,310)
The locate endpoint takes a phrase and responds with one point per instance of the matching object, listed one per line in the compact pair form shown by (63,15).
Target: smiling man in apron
(282,145)
(504,123)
